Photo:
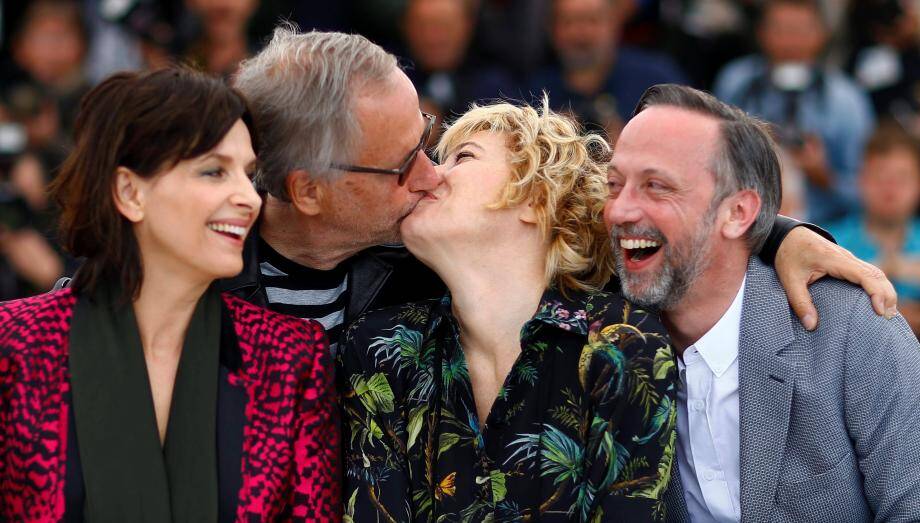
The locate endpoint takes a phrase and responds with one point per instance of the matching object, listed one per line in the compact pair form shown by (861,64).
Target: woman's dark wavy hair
(147,122)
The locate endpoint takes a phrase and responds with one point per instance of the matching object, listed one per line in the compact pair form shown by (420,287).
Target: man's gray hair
(747,158)
(300,90)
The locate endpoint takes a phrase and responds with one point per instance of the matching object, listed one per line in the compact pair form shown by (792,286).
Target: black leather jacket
(377,277)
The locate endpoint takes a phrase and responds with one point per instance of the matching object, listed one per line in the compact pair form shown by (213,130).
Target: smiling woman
(141,393)
(527,393)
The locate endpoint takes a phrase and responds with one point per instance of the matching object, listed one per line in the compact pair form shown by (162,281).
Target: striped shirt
(303,292)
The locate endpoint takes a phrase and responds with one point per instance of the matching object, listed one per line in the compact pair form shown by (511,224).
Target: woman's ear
(128,192)
(528,214)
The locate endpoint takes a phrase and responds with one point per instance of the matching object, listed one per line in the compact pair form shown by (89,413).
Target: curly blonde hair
(559,170)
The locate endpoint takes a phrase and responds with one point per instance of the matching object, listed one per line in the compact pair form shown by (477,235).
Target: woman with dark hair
(141,393)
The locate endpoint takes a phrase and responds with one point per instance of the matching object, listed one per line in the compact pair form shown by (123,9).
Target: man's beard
(370,229)
(682,264)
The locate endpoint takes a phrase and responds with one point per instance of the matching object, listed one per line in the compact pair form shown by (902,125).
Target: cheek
(675,221)
(381,196)
(181,213)
(608,212)
(176,227)
(482,190)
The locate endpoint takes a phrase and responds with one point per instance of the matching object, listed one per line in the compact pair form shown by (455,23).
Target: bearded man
(775,423)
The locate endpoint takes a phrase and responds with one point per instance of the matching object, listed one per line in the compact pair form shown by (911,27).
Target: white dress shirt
(708,435)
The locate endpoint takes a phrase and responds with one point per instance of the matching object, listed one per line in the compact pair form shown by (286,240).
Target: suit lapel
(766,382)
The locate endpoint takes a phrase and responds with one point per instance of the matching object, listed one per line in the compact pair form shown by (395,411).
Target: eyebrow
(648,171)
(227,159)
(471,144)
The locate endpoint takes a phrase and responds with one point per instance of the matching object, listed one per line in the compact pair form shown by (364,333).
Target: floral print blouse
(582,429)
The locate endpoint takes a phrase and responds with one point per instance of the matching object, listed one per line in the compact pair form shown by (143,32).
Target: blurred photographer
(886,56)
(823,118)
(48,50)
(28,263)
(597,78)
(128,35)
(887,232)
(437,36)
(38,102)
(222,41)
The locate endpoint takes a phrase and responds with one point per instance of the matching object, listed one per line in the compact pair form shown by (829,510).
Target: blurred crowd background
(839,79)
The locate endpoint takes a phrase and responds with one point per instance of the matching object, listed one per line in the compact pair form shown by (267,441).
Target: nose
(245,196)
(622,209)
(424,176)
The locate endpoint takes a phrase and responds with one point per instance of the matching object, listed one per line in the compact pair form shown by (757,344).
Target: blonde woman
(527,393)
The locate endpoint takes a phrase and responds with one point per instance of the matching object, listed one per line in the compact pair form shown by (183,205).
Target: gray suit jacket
(830,419)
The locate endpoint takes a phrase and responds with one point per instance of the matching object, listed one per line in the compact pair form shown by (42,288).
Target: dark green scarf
(128,476)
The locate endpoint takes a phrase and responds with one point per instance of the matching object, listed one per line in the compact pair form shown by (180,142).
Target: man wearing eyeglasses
(342,162)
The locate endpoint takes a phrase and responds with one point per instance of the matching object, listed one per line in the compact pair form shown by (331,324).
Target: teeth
(638,244)
(225,227)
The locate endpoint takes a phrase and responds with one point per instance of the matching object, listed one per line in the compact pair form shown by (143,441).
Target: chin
(409,226)
(413,237)
(226,268)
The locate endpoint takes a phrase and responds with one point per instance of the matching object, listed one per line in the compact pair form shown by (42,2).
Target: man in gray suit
(775,423)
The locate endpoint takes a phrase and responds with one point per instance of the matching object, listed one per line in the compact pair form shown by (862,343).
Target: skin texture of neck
(495,289)
(493,301)
(164,309)
(707,300)
(495,282)
(304,239)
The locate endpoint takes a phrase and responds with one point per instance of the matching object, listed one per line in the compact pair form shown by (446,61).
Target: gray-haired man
(342,164)
(775,423)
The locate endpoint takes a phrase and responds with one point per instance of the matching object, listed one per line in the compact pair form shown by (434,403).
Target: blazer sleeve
(882,410)
(782,227)
(317,481)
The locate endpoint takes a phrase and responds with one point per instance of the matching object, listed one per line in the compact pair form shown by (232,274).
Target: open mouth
(231,231)
(639,249)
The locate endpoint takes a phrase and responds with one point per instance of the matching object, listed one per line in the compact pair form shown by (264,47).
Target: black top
(582,429)
(304,292)
(231,418)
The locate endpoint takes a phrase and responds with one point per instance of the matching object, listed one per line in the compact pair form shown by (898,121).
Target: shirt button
(697,405)
(709,475)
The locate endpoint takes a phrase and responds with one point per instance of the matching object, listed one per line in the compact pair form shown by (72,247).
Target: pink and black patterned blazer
(289,466)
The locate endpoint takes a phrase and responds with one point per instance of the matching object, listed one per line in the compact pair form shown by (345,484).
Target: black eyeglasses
(403,169)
